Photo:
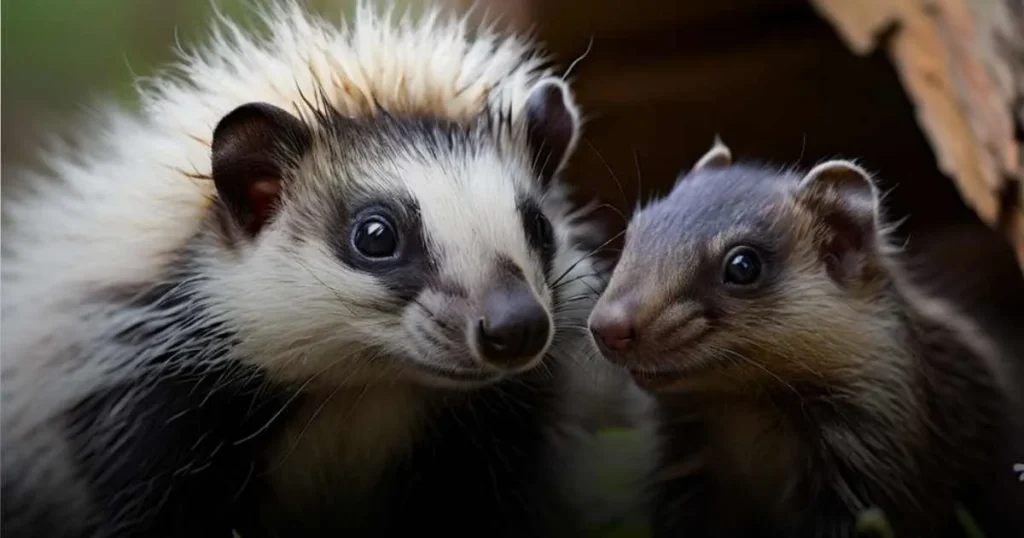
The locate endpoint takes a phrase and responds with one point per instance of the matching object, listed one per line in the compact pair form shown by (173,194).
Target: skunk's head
(387,247)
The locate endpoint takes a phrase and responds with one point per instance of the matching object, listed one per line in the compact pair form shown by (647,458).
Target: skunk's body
(200,339)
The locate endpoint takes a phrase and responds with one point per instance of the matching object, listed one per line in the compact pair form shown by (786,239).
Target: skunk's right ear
(253,147)
(719,156)
(553,125)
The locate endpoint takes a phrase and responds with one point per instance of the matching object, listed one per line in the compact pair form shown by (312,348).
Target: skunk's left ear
(253,145)
(552,123)
(844,199)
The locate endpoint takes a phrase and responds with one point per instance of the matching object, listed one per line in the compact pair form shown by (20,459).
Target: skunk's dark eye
(543,232)
(538,230)
(375,237)
(742,267)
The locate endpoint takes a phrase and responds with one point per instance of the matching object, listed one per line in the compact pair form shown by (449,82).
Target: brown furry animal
(800,380)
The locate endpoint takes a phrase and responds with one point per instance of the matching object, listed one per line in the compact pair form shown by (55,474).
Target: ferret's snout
(613,326)
(514,327)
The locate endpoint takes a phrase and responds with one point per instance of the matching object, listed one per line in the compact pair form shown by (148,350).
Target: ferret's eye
(742,267)
(375,237)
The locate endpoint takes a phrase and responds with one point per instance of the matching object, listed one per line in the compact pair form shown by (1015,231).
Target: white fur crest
(119,189)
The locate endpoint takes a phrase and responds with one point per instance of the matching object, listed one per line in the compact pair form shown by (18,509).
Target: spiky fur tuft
(360,69)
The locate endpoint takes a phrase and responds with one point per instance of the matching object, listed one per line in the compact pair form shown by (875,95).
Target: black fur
(166,451)
(183,455)
(481,467)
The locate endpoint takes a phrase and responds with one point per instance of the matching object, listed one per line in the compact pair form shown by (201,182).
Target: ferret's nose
(613,327)
(514,328)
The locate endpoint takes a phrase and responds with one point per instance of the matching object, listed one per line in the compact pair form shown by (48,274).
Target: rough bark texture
(962,63)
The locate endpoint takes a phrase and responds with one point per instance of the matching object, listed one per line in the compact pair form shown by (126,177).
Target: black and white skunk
(325,283)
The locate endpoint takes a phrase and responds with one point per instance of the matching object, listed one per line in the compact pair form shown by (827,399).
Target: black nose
(514,327)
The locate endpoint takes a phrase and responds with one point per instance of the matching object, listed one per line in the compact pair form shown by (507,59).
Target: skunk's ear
(253,147)
(844,199)
(552,123)
(719,156)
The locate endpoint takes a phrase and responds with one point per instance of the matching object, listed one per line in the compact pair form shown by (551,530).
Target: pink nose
(613,329)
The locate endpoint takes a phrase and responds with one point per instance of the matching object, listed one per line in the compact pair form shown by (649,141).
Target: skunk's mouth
(458,376)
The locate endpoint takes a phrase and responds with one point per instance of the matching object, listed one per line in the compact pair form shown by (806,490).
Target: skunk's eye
(538,230)
(742,267)
(375,237)
(543,232)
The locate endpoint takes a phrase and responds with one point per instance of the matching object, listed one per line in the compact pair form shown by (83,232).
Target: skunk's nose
(514,328)
(613,327)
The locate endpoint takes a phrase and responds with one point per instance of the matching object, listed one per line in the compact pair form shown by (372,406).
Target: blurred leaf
(970,526)
(874,524)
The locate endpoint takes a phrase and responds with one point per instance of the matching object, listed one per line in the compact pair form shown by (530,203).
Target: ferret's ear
(719,156)
(253,145)
(845,199)
(552,123)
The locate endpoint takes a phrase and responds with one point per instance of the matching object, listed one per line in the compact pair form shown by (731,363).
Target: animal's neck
(883,426)
(867,364)
(872,432)
(352,432)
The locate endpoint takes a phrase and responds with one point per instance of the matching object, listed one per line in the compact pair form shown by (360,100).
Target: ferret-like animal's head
(392,247)
(744,276)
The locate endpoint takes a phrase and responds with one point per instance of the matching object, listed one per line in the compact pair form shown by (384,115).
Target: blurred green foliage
(61,56)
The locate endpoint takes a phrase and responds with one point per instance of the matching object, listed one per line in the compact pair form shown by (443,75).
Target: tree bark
(962,63)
